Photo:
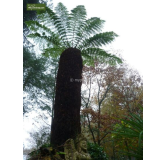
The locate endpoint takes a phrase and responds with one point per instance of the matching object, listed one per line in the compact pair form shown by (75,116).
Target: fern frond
(54,40)
(87,59)
(94,25)
(99,39)
(46,20)
(62,22)
(113,60)
(91,27)
(53,52)
(58,19)
(36,26)
(99,55)
(77,22)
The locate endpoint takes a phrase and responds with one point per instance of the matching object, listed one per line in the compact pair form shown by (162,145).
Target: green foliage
(40,137)
(132,128)
(90,55)
(44,151)
(38,81)
(46,145)
(33,69)
(96,152)
(27,15)
(59,29)
(61,153)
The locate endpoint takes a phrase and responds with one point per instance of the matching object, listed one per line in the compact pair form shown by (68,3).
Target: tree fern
(72,37)
(77,22)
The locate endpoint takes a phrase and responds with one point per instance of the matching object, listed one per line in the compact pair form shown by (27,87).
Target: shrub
(96,152)
(131,129)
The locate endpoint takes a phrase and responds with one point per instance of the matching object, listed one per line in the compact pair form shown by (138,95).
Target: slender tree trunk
(66,121)
(53,101)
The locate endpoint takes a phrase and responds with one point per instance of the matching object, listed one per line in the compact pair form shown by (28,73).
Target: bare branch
(45,121)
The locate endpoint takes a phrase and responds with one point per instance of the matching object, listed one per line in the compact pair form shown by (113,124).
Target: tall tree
(75,37)
(102,112)
(127,94)
(38,78)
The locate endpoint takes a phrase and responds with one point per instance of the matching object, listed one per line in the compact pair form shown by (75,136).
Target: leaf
(99,39)
(92,54)
(61,153)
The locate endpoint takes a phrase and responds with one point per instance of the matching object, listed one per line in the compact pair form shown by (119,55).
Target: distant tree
(127,94)
(112,92)
(39,136)
(38,80)
(33,69)
(35,81)
(99,124)
(26,151)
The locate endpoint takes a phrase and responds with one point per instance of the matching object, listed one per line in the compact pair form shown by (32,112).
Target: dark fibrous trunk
(66,122)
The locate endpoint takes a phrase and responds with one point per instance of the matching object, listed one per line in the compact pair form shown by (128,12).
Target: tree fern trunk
(66,122)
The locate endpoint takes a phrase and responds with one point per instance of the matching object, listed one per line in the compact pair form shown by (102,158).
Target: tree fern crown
(60,29)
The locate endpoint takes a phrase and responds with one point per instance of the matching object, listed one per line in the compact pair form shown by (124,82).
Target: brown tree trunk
(66,122)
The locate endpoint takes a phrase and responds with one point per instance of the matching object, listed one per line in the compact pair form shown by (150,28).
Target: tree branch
(45,121)
(91,129)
